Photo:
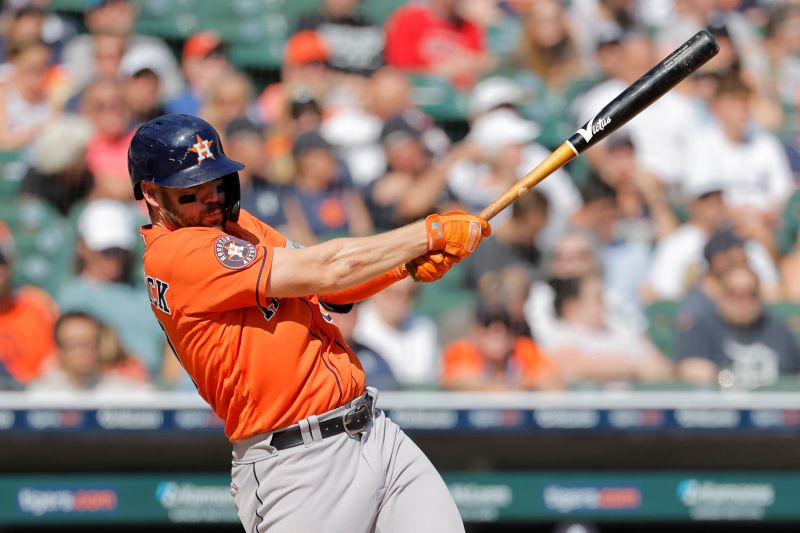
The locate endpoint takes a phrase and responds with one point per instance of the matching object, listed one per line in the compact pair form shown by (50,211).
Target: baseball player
(245,311)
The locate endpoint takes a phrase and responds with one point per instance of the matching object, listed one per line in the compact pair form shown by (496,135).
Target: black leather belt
(351,422)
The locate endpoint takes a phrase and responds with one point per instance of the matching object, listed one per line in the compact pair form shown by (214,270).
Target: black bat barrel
(690,56)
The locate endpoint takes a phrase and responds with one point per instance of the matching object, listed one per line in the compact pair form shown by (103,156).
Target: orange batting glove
(455,232)
(431,266)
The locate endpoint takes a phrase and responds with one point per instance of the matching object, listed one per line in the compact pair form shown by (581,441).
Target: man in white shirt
(678,260)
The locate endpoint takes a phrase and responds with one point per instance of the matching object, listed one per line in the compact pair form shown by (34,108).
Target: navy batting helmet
(181,151)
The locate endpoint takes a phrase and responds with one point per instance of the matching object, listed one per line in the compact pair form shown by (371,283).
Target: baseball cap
(203,44)
(488,313)
(721,241)
(696,189)
(500,128)
(243,125)
(309,141)
(8,248)
(493,92)
(106,224)
(140,59)
(306,47)
(398,128)
(61,144)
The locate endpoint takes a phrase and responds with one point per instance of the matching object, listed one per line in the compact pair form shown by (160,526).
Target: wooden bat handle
(557,159)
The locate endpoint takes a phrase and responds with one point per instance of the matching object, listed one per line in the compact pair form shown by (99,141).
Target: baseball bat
(687,58)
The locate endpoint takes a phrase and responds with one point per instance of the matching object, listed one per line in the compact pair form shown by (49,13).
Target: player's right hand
(431,266)
(455,232)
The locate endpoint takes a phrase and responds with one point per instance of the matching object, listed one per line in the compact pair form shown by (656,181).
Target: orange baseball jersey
(262,363)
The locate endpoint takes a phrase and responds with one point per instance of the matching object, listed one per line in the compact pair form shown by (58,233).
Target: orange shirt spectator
(26,320)
(493,358)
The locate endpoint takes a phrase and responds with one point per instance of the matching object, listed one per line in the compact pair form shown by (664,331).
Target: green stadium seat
(662,319)
(438,98)
(789,312)
(45,243)
(68,5)
(449,293)
(12,169)
(377,11)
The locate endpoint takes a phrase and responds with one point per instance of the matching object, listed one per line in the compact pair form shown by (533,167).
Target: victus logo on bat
(592,128)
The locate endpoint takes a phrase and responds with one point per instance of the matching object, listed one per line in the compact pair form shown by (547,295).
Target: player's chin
(215,219)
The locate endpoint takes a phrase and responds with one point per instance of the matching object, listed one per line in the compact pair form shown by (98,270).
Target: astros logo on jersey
(202,148)
(233,252)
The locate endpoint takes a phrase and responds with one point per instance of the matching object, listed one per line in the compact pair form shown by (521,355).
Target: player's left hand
(431,266)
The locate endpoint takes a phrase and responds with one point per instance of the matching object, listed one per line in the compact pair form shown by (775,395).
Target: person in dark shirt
(260,196)
(738,344)
(356,44)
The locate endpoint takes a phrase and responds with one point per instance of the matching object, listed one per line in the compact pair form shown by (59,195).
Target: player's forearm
(340,264)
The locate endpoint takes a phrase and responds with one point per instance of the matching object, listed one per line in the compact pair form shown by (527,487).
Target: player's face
(203,205)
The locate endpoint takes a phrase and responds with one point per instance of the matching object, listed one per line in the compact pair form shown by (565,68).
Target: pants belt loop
(305,432)
(313,423)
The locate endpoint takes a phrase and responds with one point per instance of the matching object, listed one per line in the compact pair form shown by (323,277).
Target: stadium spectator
(662,132)
(506,151)
(230,97)
(26,101)
(725,250)
(625,256)
(435,38)
(116,18)
(356,44)
(83,345)
(576,254)
(548,47)
(388,324)
(680,258)
(492,357)
(778,70)
(106,155)
(305,65)
(750,161)
(590,350)
(378,372)
(19,24)
(203,61)
(322,201)
(27,316)
(26,20)
(103,286)
(738,344)
(513,243)
(58,173)
(414,185)
(141,75)
(260,195)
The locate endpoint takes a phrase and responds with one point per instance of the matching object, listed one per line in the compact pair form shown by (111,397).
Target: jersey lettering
(157,290)
(270,310)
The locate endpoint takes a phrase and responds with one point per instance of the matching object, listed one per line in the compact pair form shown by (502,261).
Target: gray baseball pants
(378,483)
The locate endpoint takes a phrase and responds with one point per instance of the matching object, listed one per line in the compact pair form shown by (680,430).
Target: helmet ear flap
(232,195)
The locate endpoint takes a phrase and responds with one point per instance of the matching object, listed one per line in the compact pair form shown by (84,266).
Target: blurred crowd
(667,255)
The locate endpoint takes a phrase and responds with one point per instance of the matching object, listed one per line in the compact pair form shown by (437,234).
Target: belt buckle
(357,412)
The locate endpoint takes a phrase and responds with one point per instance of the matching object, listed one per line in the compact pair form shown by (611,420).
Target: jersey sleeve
(213,271)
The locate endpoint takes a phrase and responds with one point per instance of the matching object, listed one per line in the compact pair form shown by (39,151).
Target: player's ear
(150,194)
